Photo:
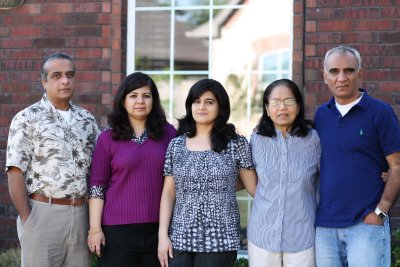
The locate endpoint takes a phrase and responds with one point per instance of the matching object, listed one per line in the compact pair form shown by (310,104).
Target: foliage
(396,248)
(10,258)
(242,262)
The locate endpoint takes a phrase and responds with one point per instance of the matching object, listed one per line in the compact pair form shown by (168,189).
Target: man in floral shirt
(49,153)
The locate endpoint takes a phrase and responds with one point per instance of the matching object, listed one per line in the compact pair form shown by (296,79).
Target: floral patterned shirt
(53,155)
(206,214)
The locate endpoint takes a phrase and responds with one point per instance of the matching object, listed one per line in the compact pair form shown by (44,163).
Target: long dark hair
(300,126)
(118,119)
(222,131)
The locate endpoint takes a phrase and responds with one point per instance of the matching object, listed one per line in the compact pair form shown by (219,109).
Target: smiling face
(59,83)
(138,103)
(282,108)
(205,108)
(342,76)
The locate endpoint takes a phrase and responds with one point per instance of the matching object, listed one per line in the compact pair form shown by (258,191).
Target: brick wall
(372,26)
(93,32)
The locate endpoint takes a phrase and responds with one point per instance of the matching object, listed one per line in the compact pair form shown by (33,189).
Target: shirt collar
(364,102)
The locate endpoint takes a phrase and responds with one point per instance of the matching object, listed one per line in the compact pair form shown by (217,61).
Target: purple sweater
(132,174)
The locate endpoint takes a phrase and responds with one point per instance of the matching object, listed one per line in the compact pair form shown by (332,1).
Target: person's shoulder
(377,103)
(169,128)
(239,139)
(31,111)
(83,112)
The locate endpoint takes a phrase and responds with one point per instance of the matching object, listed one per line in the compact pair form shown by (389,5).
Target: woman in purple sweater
(127,177)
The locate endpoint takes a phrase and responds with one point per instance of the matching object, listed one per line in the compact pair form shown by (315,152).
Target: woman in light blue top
(286,152)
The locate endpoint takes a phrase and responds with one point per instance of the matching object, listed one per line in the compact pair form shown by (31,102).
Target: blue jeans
(357,245)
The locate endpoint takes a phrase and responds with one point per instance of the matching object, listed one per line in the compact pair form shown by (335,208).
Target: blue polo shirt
(354,148)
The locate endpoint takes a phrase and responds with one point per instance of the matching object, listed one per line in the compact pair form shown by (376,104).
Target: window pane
(152,40)
(192,2)
(191,52)
(152,3)
(182,84)
(162,82)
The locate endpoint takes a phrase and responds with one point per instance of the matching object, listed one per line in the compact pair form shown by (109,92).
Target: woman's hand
(164,250)
(96,241)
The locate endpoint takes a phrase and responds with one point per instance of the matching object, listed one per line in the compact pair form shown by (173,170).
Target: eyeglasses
(287,102)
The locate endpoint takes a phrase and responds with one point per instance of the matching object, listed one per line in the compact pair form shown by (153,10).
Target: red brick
(4,31)
(359,13)
(58,8)
(17,20)
(372,25)
(321,13)
(26,54)
(311,26)
(392,11)
(80,19)
(390,86)
(310,50)
(106,99)
(389,37)
(46,20)
(88,53)
(17,43)
(396,74)
(323,37)
(336,25)
(360,37)
(49,42)
(27,31)
(85,76)
(87,7)
(377,74)
(81,42)
(106,7)
(104,19)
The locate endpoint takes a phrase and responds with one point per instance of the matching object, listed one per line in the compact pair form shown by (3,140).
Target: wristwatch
(381,215)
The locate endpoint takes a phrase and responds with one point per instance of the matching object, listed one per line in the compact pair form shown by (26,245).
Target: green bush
(396,248)
(10,258)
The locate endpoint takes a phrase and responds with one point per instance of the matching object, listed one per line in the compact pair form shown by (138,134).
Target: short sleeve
(20,146)
(243,153)
(388,131)
(168,164)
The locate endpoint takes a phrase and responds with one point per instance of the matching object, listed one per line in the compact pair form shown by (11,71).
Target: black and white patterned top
(206,214)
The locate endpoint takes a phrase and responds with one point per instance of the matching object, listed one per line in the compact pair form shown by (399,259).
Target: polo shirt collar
(364,102)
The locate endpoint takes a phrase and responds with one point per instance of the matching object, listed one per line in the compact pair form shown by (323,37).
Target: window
(243,44)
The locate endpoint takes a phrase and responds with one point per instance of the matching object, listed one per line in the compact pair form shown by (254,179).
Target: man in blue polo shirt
(360,139)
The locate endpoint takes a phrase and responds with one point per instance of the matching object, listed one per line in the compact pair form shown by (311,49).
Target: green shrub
(396,248)
(242,262)
(10,258)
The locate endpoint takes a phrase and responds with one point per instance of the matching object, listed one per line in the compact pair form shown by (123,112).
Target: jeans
(202,259)
(357,245)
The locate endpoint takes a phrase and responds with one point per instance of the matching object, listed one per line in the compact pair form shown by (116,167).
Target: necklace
(140,140)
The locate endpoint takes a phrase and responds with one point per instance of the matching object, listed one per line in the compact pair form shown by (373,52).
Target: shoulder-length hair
(118,118)
(222,131)
(300,125)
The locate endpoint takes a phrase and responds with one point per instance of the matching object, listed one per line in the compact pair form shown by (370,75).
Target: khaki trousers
(259,257)
(54,235)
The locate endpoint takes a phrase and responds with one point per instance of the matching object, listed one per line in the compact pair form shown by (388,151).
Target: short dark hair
(118,119)
(58,55)
(300,126)
(222,131)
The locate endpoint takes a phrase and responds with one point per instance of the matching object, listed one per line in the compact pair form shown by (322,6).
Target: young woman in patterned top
(201,171)
(126,178)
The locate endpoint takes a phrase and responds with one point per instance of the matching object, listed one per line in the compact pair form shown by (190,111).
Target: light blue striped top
(283,214)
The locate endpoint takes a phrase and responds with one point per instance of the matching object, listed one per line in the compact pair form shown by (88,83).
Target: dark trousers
(132,245)
(202,259)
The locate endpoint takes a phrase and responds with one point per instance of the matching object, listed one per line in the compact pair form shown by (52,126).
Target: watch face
(382,215)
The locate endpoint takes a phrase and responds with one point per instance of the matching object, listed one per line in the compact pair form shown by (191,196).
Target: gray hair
(343,50)
(58,55)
